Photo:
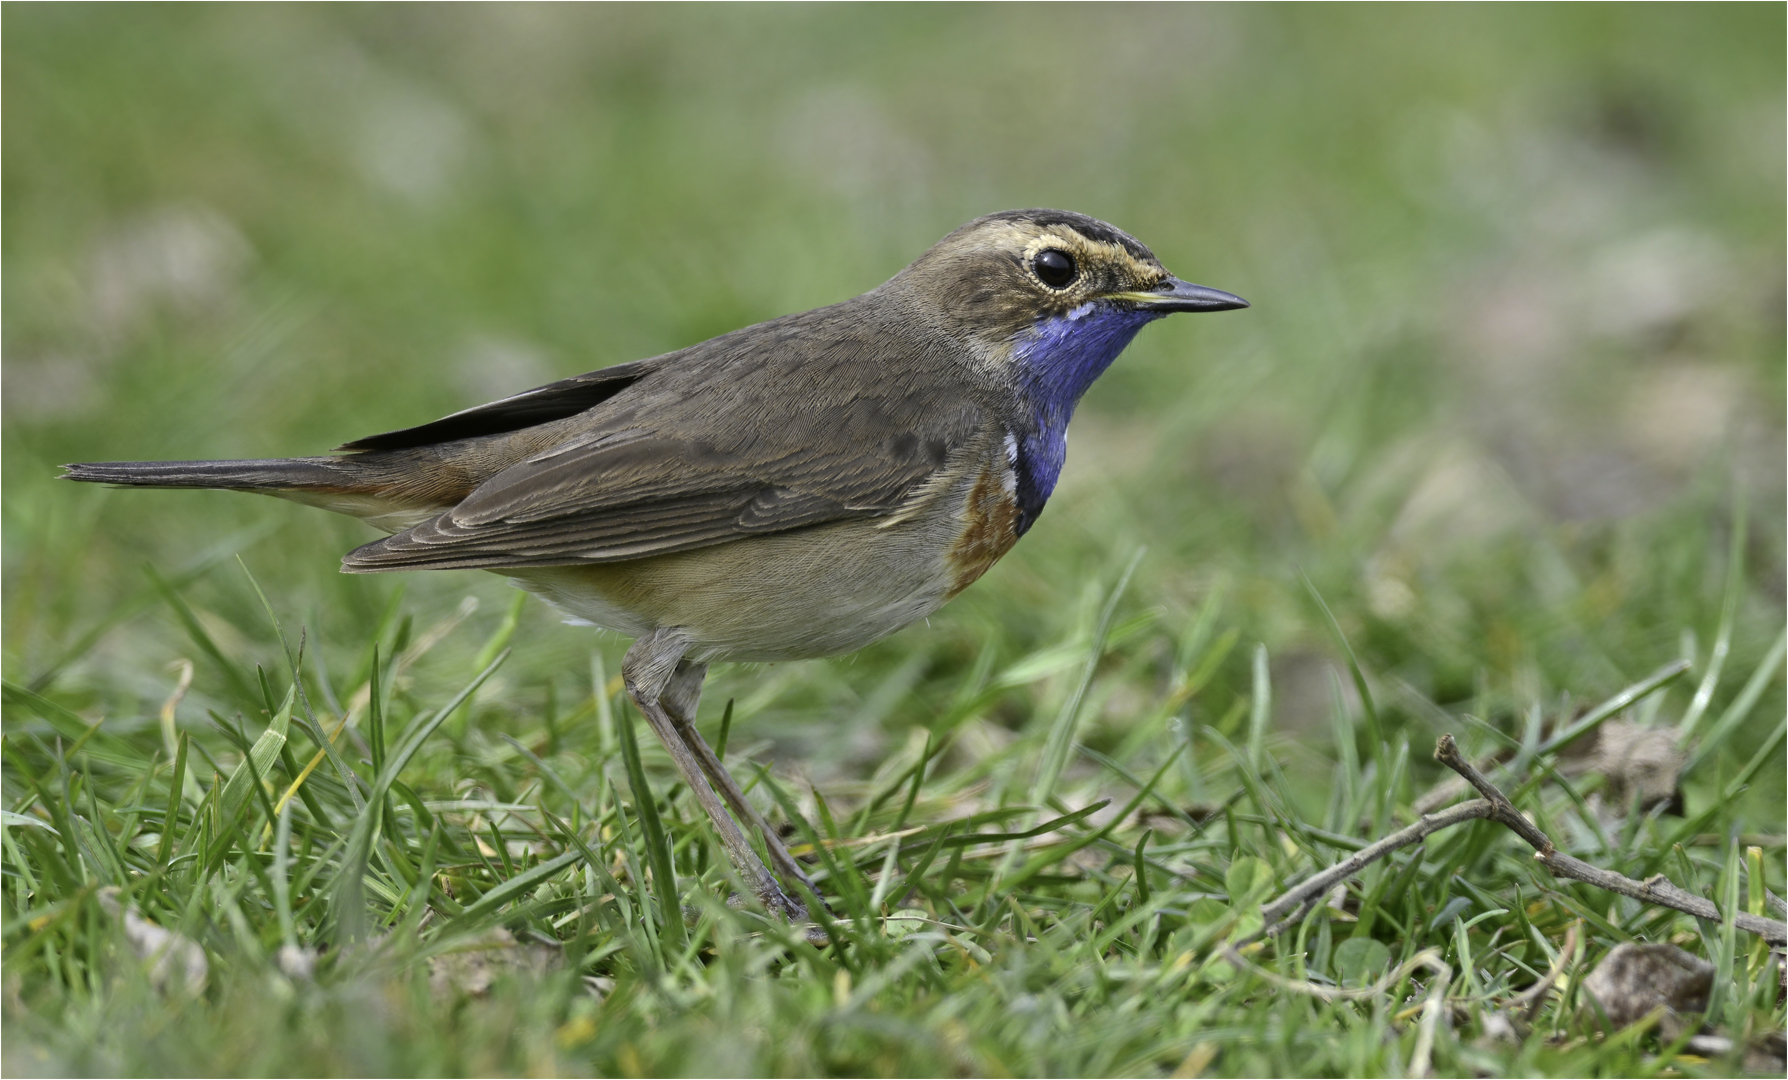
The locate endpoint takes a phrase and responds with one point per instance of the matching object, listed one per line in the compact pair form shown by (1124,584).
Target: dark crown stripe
(1090,227)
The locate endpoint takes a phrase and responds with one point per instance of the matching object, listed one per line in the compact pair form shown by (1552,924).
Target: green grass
(1500,439)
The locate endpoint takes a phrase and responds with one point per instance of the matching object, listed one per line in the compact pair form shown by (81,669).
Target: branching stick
(1658,889)
(1283,912)
(1308,892)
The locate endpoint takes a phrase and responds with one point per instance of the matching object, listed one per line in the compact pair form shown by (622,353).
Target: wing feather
(726,440)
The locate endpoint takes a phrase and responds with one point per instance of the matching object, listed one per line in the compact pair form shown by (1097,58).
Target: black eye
(1054,268)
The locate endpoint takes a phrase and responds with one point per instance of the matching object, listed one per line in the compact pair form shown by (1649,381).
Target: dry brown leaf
(475,965)
(1635,979)
(1637,762)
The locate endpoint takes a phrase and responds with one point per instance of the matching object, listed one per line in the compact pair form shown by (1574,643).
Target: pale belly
(810,592)
(786,596)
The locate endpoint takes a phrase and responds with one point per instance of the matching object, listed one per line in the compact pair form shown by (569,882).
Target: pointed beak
(1175,295)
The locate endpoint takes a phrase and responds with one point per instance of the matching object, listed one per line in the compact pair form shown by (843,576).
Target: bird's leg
(681,696)
(647,669)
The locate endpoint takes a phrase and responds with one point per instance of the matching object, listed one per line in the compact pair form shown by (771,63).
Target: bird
(793,489)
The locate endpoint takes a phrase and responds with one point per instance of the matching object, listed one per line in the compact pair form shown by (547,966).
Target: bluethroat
(794,489)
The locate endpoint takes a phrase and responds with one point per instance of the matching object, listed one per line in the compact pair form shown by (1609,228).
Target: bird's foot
(790,910)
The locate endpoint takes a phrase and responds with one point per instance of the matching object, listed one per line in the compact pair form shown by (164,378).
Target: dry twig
(1284,911)
(1279,915)
(1657,889)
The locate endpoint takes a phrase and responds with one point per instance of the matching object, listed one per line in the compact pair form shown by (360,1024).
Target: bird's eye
(1055,268)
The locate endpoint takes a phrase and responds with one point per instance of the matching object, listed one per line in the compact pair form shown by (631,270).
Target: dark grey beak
(1176,295)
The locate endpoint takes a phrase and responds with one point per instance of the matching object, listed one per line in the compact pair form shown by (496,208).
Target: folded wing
(693,454)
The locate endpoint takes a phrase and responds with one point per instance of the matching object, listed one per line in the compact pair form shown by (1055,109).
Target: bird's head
(1050,296)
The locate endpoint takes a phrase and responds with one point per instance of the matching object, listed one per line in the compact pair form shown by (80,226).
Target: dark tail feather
(272,474)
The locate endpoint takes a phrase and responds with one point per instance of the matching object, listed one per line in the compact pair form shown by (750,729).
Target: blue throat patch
(1056,362)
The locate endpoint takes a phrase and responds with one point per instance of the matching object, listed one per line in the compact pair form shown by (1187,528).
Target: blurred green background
(1515,355)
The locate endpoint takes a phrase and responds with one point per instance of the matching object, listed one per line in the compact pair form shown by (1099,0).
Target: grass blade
(261,757)
(658,852)
(1633,694)
(1061,732)
(1375,748)
(348,894)
(1716,658)
(521,883)
(1740,709)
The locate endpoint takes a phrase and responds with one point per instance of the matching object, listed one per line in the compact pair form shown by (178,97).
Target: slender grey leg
(681,696)
(647,669)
